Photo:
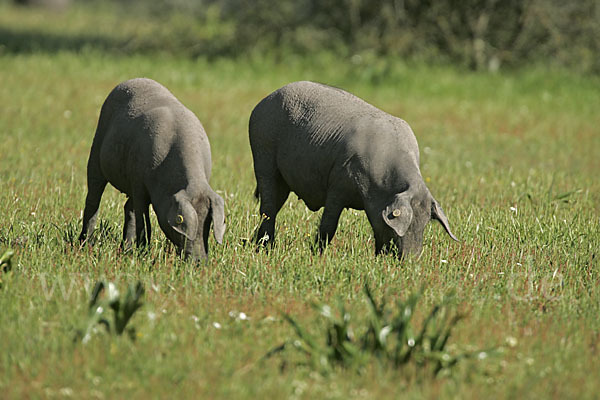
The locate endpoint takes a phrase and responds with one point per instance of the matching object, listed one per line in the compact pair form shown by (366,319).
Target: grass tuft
(388,335)
(122,306)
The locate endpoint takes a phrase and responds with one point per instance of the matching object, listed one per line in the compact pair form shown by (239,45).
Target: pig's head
(188,222)
(404,220)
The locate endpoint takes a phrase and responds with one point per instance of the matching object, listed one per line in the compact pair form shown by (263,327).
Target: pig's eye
(179,219)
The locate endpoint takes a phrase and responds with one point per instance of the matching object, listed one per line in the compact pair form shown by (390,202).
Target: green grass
(512,158)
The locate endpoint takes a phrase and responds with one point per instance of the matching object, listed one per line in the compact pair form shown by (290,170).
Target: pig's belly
(305,176)
(116,163)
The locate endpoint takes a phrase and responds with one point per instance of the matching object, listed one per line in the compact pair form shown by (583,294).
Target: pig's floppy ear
(398,215)
(438,214)
(182,217)
(217,209)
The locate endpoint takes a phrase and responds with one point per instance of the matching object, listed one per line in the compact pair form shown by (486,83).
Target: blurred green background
(474,34)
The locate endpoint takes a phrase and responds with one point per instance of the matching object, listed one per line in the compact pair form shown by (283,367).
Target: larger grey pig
(151,147)
(336,151)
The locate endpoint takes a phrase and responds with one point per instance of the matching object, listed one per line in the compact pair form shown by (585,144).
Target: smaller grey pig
(336,151)
(152,148)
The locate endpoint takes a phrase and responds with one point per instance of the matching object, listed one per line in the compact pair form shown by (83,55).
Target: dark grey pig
(151,147)
(336,151)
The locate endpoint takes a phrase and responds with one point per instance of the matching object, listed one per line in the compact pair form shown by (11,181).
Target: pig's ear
(182,217)
(398,215)
(217,209)
(438,214)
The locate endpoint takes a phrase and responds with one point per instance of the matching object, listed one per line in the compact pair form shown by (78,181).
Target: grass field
(512,157)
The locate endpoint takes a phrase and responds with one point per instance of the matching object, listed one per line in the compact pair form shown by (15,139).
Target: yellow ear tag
(396,212)
(179,219)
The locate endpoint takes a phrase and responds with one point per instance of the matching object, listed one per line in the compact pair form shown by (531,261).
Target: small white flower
(444,261)
(513,209)
(242,316)
(511,341)
(411,342)
(482,355)
(195,318)
(326,311)
(99,310)
(529,361)
(384,332)
(113,293)
(216,325)
(151,315)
